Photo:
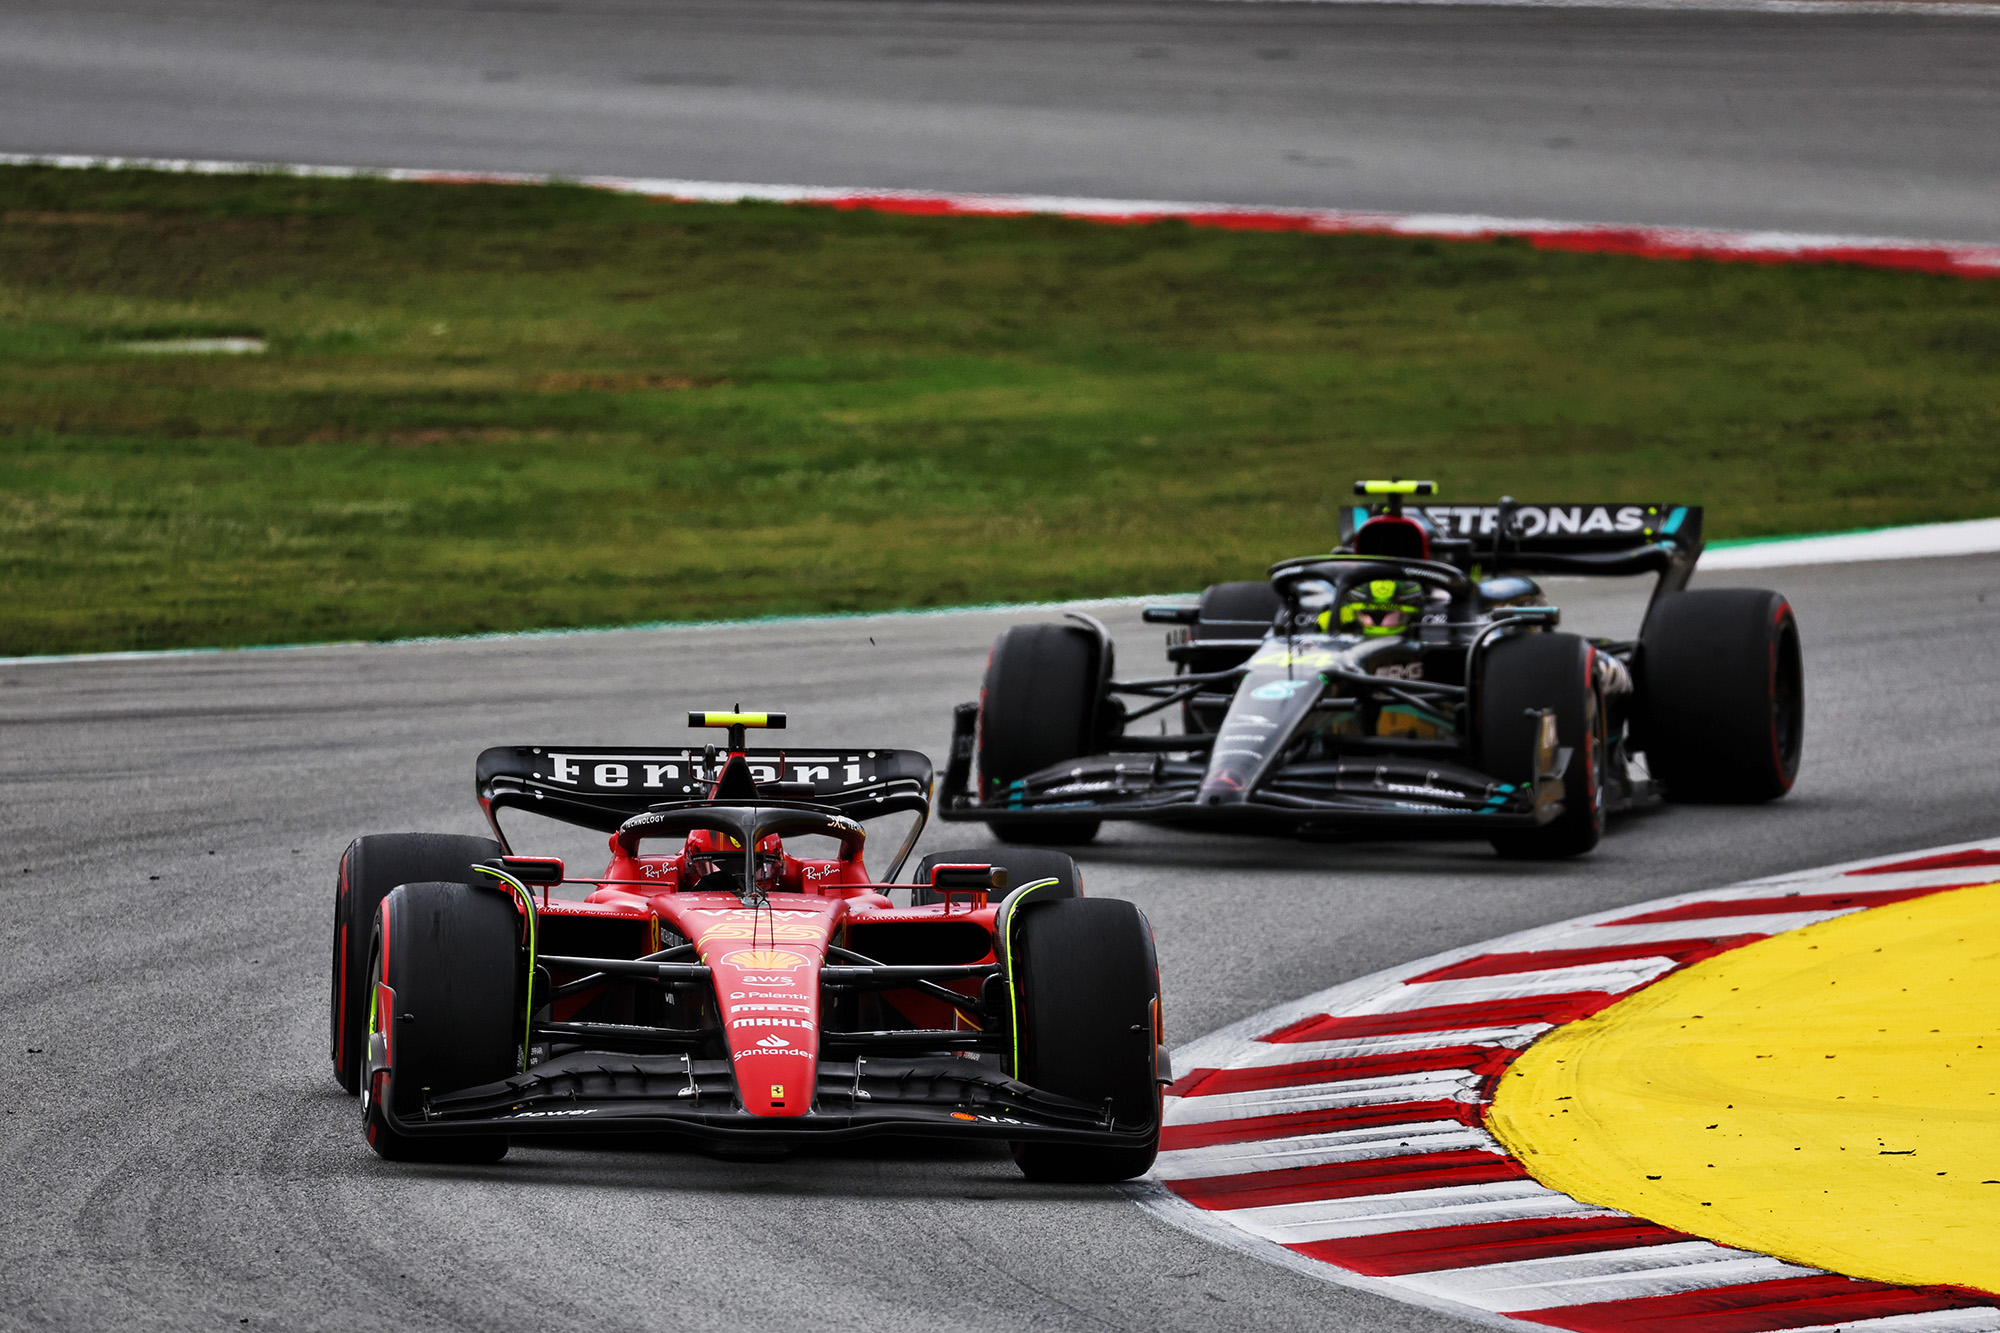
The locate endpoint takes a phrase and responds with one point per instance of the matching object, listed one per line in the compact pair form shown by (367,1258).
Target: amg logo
(1539,520)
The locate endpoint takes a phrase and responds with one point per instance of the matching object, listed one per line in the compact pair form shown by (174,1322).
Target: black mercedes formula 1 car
(1412,681)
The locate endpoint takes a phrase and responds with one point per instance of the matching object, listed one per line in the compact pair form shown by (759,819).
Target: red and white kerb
(1343,1134)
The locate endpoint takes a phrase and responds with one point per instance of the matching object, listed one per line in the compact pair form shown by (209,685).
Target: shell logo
(764,960)
(771,930)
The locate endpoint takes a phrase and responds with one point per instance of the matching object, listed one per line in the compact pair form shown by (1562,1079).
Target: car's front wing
(593,1092)
(1392,793)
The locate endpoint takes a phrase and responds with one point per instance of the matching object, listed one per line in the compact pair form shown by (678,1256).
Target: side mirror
(539,870)
(975,883)
(968,877)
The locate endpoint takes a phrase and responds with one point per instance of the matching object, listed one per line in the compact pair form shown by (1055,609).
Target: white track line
(1452,1085)
(1346,1145)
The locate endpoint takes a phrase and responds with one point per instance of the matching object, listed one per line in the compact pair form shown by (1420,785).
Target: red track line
(1956,259)
(1682,243)
(1564,1008)
(1754,1307)
(1798,902)
(1396,1253)
(1348,1180)
(1541,960)
(1977,856)
(1215,1082)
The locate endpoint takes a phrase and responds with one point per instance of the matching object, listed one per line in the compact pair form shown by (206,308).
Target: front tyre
(369,868)
(1521,677)
(449,956)
(1722,695)
(1086,991)
(1036,708)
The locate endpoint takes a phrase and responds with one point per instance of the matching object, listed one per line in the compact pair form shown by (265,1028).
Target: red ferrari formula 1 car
(722,981)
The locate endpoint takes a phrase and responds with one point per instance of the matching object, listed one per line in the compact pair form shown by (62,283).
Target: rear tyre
(1036,706)
(1024,865)
(369,868)
(451,954)
(1524,675)
(1086,1014)
(1722,695)
(1255,602)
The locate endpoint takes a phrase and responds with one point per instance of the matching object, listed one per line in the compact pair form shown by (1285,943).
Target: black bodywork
(1283,724)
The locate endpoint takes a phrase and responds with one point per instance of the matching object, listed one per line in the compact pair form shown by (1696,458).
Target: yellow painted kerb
(1830,1096)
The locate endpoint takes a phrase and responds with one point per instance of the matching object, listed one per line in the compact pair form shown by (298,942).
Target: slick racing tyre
(369,868)
(1253,600)
(1524,675)
(1722,695)
(1024,865)
(1252,606)
(451,955)
(1035,709)
(1086,1021)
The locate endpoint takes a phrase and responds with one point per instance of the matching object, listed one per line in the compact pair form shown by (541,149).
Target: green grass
(489,408)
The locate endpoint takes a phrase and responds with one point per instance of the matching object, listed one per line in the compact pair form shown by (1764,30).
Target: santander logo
(772,1042)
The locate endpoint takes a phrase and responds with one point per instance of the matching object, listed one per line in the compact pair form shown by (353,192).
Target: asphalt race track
(1869,124)
(176,1153)
(178,1156)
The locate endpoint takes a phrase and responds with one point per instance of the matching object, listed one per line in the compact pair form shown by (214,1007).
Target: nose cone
(765,964)
(1270,702)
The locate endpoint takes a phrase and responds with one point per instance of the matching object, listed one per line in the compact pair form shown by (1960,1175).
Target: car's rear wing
(602,786)
(1613,538)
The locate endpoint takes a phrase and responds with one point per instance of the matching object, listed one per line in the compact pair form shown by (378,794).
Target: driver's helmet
(1374,607)
(709,852)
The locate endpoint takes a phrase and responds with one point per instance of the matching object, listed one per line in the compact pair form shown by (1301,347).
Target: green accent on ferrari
(527,901)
